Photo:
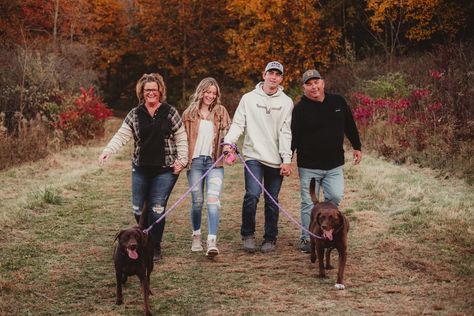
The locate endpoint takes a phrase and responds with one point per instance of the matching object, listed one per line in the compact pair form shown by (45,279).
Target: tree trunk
(55,29)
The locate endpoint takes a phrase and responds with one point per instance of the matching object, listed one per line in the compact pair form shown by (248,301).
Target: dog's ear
(117,236)
(142,236)
(138,233)
(342,221)
(345,221)
(317,218)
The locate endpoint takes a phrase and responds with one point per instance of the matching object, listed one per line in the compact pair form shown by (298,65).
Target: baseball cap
(310,74)
(274,65)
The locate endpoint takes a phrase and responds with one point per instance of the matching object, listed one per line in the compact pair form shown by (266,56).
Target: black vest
(152,134)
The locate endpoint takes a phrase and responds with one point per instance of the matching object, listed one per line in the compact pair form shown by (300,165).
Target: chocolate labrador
(332,227)
(133,255)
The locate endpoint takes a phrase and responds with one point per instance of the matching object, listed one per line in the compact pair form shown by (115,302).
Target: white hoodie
(266,121)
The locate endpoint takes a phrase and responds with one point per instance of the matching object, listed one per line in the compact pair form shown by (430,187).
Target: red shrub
(436,74)
(84,119)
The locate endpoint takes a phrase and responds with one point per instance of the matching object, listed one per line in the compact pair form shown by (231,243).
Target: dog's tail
(312,191)
(143,217)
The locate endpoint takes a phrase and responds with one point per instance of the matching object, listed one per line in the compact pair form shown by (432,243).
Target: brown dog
(133,255)
(332,226)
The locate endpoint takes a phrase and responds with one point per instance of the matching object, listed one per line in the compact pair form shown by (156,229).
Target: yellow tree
(288,31)
(104,29)
(394,22)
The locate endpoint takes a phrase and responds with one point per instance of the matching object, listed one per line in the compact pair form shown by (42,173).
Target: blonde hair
(196,97)
(153,77)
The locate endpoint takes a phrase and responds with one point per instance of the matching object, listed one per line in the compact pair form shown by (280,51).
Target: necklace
(152,108)
(205,114)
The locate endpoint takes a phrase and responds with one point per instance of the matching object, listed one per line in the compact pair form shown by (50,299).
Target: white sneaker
(212,250)
(196,245)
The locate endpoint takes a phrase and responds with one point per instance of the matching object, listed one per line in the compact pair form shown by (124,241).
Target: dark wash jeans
(272,181)
(154,186)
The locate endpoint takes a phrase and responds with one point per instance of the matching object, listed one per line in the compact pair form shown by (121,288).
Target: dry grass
(410,248)
(34,140)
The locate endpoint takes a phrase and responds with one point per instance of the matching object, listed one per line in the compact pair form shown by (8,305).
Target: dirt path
(71,273)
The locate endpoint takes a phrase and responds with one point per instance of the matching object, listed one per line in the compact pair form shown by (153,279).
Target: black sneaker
(268,245)
(157,254)
(305,245)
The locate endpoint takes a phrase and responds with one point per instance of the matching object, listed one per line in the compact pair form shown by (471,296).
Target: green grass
(39,199)
(404,240)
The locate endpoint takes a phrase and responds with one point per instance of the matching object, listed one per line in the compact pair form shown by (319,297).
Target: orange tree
(287,31)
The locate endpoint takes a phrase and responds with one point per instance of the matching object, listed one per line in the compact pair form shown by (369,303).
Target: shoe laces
(196,239)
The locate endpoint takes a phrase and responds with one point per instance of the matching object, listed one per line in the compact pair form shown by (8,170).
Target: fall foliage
(181,38)
(51,48)
(230,39)
(396,21)
(287,31)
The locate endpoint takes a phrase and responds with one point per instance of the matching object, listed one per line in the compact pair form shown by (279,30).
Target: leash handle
(229,156)
(233,146)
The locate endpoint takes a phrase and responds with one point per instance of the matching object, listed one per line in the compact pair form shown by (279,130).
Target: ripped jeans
(154,186)
(213,182)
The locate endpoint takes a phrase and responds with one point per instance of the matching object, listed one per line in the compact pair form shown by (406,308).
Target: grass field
(411,246)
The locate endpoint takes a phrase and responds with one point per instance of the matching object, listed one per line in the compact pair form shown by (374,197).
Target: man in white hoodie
(264,115)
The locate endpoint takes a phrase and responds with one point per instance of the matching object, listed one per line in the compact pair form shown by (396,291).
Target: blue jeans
(272,181)
(152,185)
(332,182)
(213,182)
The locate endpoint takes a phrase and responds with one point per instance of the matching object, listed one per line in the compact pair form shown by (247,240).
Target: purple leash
(275,202)
(146,231)
(234,147)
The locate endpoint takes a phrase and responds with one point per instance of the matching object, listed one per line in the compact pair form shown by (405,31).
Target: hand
(103,158)
(228,149)
(177,167)
(229,155)
(285,169)
(357,155)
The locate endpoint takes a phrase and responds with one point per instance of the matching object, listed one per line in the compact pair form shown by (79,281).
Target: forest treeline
(52,48)
(112,42)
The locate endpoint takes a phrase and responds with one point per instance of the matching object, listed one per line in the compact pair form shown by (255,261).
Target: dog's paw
(119,301)
(339,286)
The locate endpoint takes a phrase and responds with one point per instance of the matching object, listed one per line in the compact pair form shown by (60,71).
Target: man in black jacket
(320,121)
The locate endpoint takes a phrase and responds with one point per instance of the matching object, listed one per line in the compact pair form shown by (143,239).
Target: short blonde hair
(153,77)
